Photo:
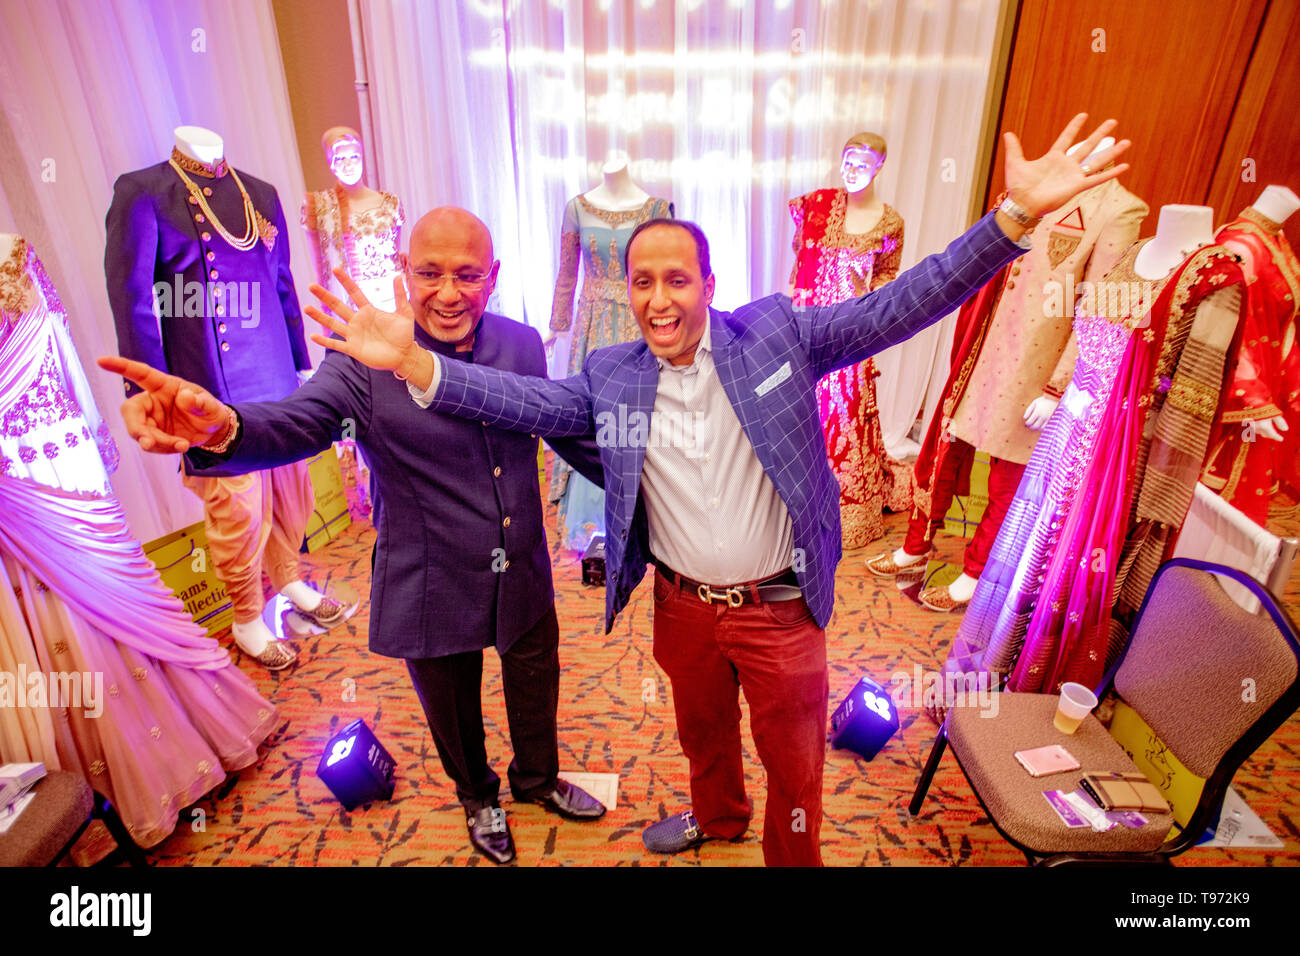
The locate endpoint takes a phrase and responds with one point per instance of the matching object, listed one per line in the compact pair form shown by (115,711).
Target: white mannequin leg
(303,597)
(963,589)
(252,636)
(905,560)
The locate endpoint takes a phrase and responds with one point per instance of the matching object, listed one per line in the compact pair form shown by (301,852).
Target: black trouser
(449,689)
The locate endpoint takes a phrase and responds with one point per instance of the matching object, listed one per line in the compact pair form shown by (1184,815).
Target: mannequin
(616,191)
(847,242)
(1013,354)
(78,595)
(360,230)
(192,224)
(1181,229)
(1114,472)
(1251,452)
(352,225)
(595,229)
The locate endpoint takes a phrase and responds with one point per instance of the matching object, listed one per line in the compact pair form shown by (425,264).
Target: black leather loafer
(568,801)
(490,834)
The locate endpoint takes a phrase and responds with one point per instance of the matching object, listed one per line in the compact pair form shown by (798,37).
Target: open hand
(1046,183)
(378,339)
(1272,428)
(1039,411)
(170,414)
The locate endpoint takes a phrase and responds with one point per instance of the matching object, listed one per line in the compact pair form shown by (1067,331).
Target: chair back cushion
(1200,670)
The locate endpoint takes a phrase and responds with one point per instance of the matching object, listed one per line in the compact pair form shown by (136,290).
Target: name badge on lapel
(773,380)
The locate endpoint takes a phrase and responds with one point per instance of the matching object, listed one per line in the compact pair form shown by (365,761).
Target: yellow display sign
(964,514)
(185,565)
(330,514)
(1178,785)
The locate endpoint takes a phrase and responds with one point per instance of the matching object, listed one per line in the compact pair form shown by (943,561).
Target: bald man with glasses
(461,561)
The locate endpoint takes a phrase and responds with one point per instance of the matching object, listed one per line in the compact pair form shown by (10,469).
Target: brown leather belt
(780,587)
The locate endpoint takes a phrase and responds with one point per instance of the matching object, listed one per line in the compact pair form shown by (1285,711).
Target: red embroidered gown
(1244,467)
(831,266)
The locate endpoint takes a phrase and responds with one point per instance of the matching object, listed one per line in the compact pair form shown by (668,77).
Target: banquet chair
(63,808)
(1212,681)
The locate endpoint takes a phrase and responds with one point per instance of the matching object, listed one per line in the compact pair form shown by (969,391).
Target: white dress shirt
(714,514)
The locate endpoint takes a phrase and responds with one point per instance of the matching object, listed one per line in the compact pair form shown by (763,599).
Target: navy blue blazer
(769,356)
(229,320)
(461,561)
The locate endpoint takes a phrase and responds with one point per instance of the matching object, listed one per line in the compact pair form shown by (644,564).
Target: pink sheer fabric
(1079,585)
(1070,634)
(1043,609)
(163,713)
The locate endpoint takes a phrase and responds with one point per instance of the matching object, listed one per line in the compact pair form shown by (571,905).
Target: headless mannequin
(1279,204)
(252,636)
(200,144)
(617,192)
(1181,231)
(1036,416)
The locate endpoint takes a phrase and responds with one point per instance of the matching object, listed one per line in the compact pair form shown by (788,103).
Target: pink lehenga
(1108,484)
(161,712)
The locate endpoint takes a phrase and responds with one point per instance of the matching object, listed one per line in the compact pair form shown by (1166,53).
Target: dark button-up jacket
(461,561)
(227,320)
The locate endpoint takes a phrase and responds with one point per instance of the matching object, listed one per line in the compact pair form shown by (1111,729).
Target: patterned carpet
(616,717)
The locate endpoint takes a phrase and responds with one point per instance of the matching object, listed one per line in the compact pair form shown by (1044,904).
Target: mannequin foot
(304,598)
(950,597)
(256,640)
(319,609)
(889,565)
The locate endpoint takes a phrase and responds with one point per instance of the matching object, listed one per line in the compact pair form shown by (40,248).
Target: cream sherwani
(1029,349)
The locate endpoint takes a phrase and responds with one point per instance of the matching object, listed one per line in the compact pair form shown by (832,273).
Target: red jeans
(1004,479)
(777,653)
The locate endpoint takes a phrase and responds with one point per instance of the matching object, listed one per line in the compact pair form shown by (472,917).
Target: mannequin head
(342,148)
(861,160)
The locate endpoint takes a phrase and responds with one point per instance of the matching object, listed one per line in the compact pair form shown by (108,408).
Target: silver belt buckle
(734,597)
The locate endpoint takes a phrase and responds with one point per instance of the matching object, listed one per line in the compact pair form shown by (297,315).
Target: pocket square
(773,380)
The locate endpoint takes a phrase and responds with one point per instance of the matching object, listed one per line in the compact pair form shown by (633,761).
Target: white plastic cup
(1076,702)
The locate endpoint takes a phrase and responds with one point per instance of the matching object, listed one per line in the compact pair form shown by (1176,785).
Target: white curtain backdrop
(92,90)
(727,107)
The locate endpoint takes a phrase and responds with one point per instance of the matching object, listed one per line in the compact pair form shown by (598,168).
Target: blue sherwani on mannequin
(156,236)
(461,561)
(188,301)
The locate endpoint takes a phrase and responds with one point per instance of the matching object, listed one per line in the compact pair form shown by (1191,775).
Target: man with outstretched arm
(460,561)
(741,516)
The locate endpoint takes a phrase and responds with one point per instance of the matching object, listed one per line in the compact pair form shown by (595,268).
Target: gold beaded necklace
(250,236)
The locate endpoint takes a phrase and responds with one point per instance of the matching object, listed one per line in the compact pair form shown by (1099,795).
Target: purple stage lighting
(356,767)
(865,720)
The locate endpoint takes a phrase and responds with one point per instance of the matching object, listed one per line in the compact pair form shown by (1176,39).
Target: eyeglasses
(472,282)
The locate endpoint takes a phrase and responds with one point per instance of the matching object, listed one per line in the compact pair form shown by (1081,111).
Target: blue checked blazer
(769,356)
